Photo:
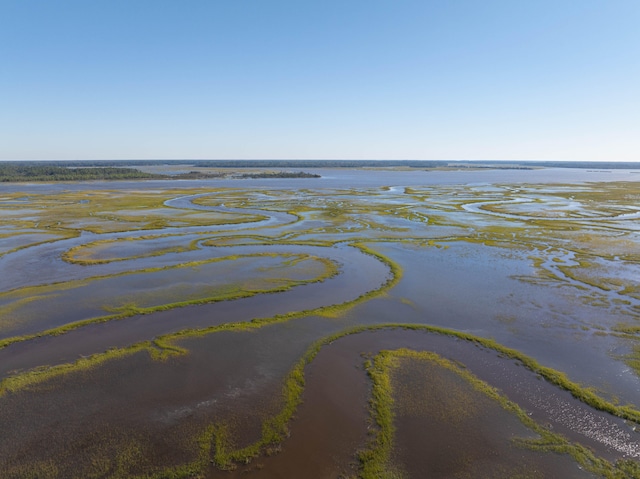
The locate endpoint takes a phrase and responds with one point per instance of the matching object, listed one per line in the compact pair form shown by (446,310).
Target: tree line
(27,172)
(11,172)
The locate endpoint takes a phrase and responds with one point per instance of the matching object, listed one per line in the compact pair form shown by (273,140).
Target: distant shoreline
(284,164)
(146,170)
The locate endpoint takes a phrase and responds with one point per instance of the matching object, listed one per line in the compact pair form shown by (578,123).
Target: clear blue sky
(429,79)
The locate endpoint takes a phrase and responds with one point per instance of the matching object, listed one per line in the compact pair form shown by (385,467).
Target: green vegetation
(11,172)
(81,254)
(561,253)
(275,429)
(333,310)
(103,211)
(57,236)
(28,379)
(376,459)
(280,174)
(26,296)
(633,359)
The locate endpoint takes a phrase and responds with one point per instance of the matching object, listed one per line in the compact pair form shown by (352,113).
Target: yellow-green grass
(330,310)
(81,254)
(112,211)
(59,235)
(594,276)
(32,293)
(165,342)
(633,358)
(163,345)
(553,376)
(376,462)
(275,429)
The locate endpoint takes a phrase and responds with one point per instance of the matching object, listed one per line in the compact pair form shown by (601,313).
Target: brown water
(235,378)
(495,275)
(445,429)
(332,419)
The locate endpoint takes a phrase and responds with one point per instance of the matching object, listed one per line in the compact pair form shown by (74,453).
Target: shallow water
(446,428)
(235,377)
(548,272)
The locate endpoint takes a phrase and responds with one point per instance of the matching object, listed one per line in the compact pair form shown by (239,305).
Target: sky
(348,79)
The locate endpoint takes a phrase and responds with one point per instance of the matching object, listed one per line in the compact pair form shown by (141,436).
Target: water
(549,273)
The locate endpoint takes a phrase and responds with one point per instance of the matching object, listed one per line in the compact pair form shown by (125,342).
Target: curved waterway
(332,423)
(274,218)
(359,274)
(478,207)
(235,376)
(42,264)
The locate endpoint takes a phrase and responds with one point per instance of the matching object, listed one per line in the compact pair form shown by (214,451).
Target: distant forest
(27,171)
(82,171)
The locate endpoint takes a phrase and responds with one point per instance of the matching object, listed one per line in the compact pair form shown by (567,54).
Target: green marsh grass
(81,254)
(275,429)
(30,294)
(375,460)
(214,443)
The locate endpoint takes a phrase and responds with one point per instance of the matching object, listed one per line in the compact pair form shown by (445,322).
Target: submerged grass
(275,429)
(29,379)
(81,254)
(330,270)
(215,444)
(633,359)
(327,311)
(375,460)
(60,234)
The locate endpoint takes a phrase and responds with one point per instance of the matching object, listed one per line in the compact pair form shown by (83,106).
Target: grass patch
(22,295)
(275,429)
(376,459)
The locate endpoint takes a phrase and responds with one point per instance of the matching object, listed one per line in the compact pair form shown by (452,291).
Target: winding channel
(478,207)
(41,264)
(331,423)
(359,273)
